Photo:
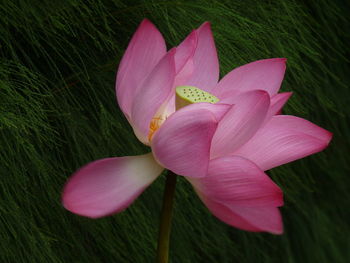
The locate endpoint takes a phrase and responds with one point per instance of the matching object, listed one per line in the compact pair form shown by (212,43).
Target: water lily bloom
(222,144)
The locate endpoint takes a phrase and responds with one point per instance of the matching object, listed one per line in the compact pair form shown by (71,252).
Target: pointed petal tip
(328,136)
(146,22)
(284,139)
(278,231)
(147,25)
(205,24)
(206,27)
(277,59)
(286,95)
(284,59)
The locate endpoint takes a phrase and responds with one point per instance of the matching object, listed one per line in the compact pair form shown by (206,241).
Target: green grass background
(58,111)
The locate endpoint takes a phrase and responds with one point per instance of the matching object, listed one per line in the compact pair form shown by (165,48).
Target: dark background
(58,112)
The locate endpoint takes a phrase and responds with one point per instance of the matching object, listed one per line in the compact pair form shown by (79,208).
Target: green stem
(165,218)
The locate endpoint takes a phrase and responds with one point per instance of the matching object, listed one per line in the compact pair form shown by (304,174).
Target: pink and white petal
(277,103)
(109,185)
(284,139)
(154,91)
(239,182)
(266,74)
(144,51)
(240,123)
(255,219)
(182,143)
(205,60)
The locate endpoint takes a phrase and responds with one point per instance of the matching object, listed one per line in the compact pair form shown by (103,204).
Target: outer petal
(109,185)
(266,74)
(153,93)
(182,143)
(256,219)
(238,182)
(145,49)
(277,103)
(205,61)
(240,123)
(284,139)
(240,194)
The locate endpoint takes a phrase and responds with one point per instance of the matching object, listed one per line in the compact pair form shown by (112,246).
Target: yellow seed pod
(186,95)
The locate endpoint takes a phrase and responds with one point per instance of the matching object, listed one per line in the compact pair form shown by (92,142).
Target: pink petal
(145,49)
(109,185)
(237,192)
(218,110)
(277,103)
(255,219)
(240,123)
(205,60)
(230,96)
(266,219)
(182,143)
(185,50)
(284,139)
(184,69)
(266,74)
(154,91)
(236,181)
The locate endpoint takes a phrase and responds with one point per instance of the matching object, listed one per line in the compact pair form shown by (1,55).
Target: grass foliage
(57,112)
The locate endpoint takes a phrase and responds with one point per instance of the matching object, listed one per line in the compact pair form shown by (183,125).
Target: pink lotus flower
(223,149)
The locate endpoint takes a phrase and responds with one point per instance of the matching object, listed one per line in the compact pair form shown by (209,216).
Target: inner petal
(185,95)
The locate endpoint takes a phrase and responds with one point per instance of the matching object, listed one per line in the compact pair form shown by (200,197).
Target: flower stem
(165,218)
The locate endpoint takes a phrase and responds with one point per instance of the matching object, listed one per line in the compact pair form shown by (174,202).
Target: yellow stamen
(153,126)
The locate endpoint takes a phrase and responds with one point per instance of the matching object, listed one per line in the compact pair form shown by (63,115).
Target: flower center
(185,95)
